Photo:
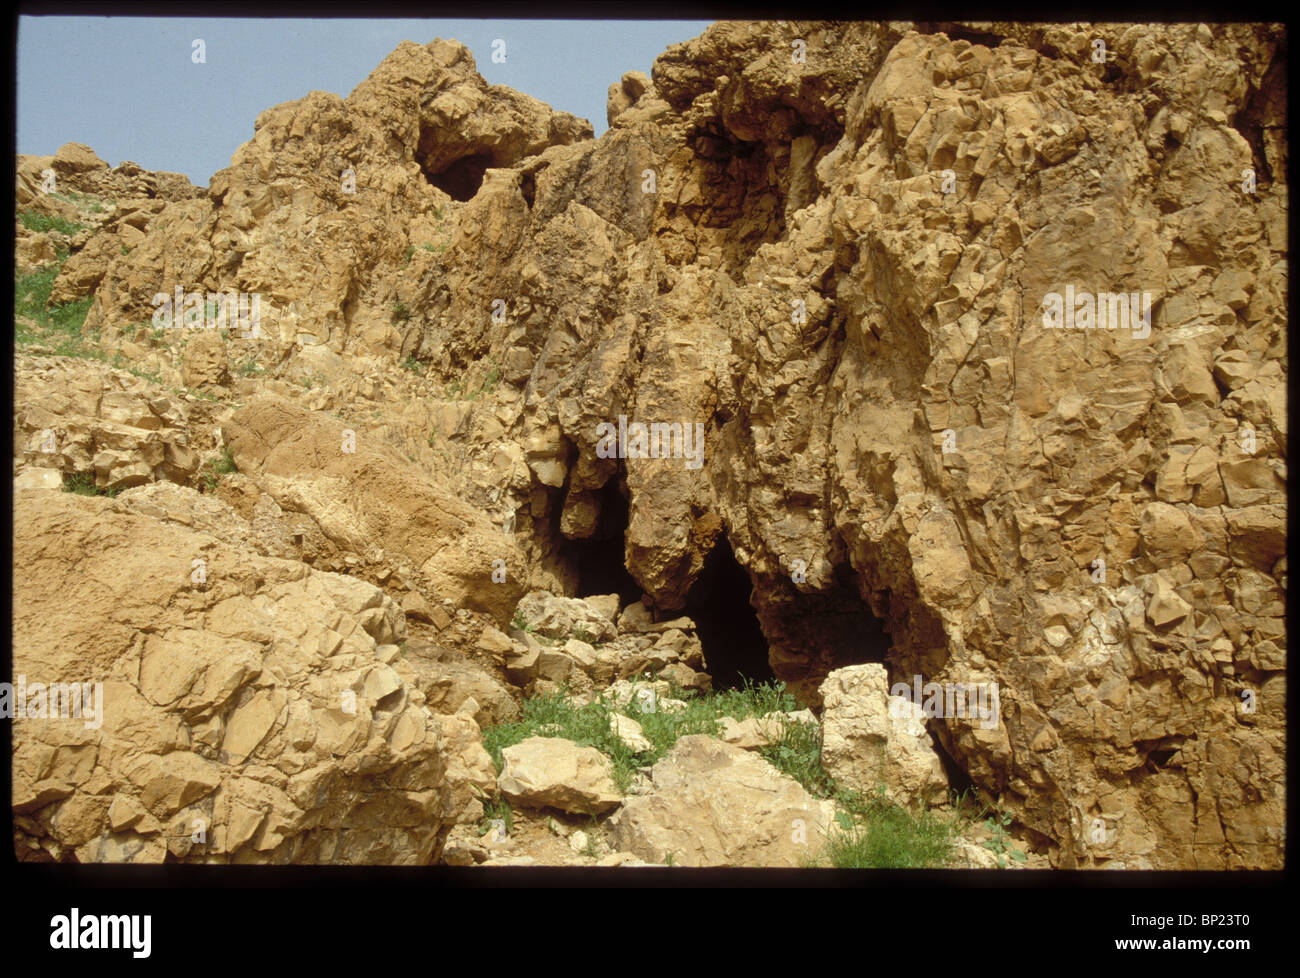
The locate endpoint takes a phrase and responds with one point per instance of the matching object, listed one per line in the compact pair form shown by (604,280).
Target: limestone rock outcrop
(102,426)
(362,499)
(831,249)
(246,712)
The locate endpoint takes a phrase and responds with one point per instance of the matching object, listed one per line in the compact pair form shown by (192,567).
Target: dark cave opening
(847,628)
(813,633)
(461,180)
(599,558)
(735,648)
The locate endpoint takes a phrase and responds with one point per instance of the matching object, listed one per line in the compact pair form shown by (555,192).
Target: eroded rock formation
(836,264)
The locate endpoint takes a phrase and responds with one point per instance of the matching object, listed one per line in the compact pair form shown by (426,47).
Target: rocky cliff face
(829,247)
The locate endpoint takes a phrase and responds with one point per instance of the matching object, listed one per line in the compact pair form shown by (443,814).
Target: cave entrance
(460,180)
(735,648)
(599,558)
(813,634)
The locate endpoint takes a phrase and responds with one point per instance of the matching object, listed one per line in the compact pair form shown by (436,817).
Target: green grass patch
(798,753)
(57,326)
(869,832)
(32,291)
(84,485)
(34,221)
(554,715)
(878,834)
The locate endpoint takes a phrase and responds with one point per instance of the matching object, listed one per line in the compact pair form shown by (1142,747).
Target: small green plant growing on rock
(998,842)
(222,465)
(414,365)
(145,375)
(589,850)
(33,221)
(496,810)
(400,313)
(84,485)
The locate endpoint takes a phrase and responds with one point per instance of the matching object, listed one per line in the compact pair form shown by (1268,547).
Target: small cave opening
(958,780)
(735,648)
(599,558)
(461,179)
(821,631)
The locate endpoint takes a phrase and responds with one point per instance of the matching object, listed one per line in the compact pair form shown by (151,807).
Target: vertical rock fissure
(599,559)
(735,648)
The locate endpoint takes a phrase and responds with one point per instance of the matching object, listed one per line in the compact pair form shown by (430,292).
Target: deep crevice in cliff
(600,558)
(735,648)
(959,779)
(1264,109)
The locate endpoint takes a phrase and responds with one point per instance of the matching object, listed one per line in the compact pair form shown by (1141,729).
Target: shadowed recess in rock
(599,557)
(735,648)
(815,633)
(461,179)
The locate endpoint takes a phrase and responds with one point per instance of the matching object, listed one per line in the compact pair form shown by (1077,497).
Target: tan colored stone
(713,804)
(550,772)
(871,739)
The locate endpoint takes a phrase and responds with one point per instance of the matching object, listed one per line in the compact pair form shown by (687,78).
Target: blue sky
(127,87)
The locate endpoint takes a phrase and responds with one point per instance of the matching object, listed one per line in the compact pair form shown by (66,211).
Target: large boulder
(715,804)
(551,772)
(873,740)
